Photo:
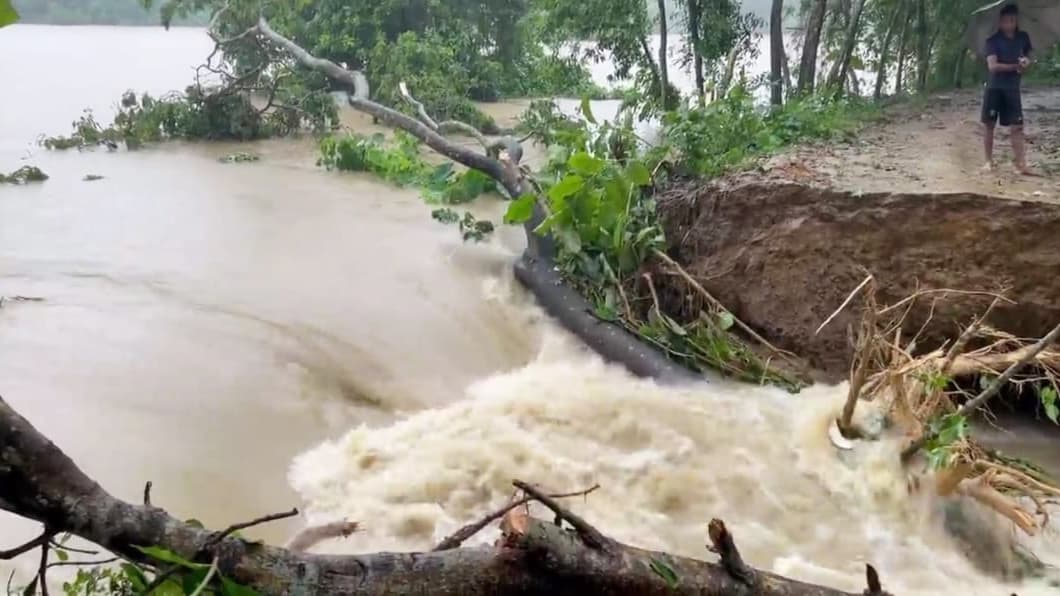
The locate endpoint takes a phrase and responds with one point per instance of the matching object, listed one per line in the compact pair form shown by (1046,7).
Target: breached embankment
(784,256)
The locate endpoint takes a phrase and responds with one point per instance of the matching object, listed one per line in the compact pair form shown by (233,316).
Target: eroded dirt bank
(783,256)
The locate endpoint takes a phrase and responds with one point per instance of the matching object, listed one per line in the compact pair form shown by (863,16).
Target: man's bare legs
(1019,148)
(988,145)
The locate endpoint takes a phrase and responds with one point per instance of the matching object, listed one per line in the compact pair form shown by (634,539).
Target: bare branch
(420,108)
(312,535)
(1027,356)
(723,544)
(358,97)
(244,525)
(457,538)
(590,535)
(853,293)
(6,555)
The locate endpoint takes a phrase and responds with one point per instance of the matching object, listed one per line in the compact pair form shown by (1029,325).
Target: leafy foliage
(450,52)
(948,431)
(181,577)
(197,114)
(8,15)
(24,175)
(728,132)
(402,164)
(91,12)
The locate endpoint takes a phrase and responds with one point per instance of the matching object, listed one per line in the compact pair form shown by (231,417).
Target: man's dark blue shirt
(1008,50)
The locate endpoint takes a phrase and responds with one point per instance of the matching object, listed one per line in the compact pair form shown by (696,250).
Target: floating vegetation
(24,175)
(239,157)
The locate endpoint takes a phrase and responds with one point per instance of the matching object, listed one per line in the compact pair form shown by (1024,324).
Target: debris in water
(837,438)
(24,175)
(20,299)
(92,177)
(239,157)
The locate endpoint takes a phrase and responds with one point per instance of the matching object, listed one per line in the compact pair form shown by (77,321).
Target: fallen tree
(565,556)
(499,159)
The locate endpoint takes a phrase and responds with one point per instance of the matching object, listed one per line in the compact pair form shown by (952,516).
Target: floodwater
(255,336)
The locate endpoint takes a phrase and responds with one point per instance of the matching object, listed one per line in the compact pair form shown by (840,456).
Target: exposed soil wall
(784,256)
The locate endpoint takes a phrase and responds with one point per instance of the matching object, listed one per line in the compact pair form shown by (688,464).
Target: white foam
(667,460)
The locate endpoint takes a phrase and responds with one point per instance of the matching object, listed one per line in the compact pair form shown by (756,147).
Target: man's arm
(1025,58)
(995,66)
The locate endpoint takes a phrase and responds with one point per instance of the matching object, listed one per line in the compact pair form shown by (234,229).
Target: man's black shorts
(1005,105)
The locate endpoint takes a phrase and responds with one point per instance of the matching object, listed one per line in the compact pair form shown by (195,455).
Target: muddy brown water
(252,336)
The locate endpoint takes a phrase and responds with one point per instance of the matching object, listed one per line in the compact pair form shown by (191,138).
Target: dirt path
(935,145)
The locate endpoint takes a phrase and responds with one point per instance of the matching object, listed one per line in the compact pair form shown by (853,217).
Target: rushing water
(205,325)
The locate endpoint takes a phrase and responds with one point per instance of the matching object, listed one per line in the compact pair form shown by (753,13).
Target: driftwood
(568,556)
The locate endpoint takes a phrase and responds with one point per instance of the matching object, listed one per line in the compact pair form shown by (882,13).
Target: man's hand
(1024,63)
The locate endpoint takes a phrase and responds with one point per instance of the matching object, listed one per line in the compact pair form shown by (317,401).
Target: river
(255,336)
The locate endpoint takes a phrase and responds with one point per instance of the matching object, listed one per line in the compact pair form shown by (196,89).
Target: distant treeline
(132,12)
(90,12)
(759,8)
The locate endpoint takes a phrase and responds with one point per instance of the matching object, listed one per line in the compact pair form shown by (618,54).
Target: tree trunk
(842,65)
(649,61)
(695,17)
(881,66)
(664,78)
(958,69)
(903,46)
(39,482)
(788,86)
(810,46)
(923,48)
(726,76)
(776,52)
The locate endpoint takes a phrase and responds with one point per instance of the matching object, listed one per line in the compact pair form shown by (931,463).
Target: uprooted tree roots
(925,397)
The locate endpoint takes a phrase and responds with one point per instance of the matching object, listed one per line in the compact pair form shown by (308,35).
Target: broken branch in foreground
(39,482)
(918,393)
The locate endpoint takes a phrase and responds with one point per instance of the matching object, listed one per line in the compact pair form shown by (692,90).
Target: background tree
(776,53)
(810,45)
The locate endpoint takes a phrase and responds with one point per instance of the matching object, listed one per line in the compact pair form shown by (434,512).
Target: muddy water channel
(255,336)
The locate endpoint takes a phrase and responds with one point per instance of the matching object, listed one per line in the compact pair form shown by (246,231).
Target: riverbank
(783,244)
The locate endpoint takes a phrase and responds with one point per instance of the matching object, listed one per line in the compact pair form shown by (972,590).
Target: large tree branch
(38,481)
(357,84)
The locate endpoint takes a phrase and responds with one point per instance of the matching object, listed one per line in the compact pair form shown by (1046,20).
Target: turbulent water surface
(254,336)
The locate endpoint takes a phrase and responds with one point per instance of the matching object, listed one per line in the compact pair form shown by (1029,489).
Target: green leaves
(948,431)
(638,173)
(1048,396)
(231,588)
(587,111)
(520,210)
(566,187)
(401,164)
(726,320)
(8,15)
(666,573)
(166,556)
(585,164)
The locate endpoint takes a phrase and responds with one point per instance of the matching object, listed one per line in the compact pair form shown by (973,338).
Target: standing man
(1007,56)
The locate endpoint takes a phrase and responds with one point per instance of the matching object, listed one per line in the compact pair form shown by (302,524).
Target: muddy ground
(783,246)
(934,145)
